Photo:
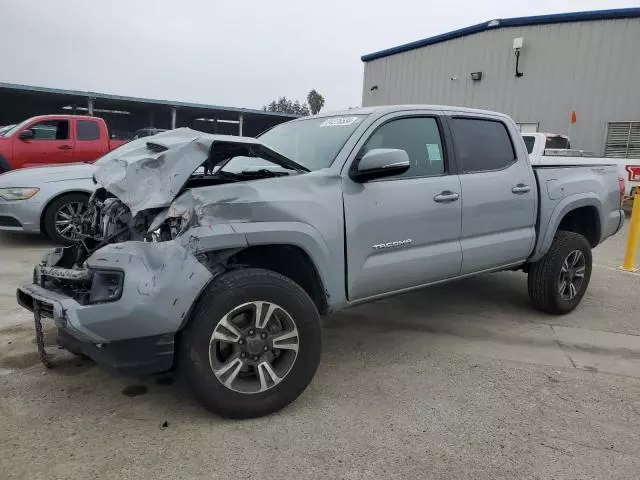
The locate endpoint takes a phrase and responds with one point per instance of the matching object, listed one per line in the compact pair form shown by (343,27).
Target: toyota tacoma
(225,276)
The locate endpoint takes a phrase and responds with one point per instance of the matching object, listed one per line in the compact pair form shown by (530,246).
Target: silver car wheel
(253,347)
(68,219)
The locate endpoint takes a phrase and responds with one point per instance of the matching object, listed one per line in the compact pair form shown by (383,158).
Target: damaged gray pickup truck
(224,276)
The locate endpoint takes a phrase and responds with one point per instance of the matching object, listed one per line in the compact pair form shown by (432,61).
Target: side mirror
(380,163)
(26,134)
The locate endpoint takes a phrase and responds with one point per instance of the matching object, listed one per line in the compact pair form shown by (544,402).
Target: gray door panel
(497,224)
(499,194)
(396,211)
(403,231)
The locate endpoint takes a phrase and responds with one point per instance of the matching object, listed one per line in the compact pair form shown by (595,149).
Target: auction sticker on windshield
(339,121)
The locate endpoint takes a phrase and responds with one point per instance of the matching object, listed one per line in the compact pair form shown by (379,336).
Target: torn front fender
(161,283)
(304,211)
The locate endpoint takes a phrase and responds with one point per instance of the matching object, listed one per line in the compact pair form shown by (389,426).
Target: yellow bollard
(633,238)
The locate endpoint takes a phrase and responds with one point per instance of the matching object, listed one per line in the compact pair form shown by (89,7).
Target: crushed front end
(143,254)
(123,306)
(120,293)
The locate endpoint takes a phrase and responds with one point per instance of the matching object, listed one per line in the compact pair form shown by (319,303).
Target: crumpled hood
(151,171)
(33,176)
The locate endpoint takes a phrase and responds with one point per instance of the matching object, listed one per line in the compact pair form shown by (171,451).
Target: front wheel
(559,280)
(63,218)
(252,345)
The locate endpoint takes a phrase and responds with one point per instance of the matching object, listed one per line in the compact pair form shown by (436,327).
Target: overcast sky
(241,54)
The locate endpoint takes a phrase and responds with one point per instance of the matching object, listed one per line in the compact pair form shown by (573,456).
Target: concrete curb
(598,342)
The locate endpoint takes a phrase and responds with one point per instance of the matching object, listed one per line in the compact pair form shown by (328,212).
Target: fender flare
(565,206)
(234,237)
(303,236)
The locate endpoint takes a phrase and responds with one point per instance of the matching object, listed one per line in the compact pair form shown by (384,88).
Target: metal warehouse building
(537,69)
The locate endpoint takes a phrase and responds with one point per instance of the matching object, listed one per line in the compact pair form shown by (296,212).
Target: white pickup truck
(543,150)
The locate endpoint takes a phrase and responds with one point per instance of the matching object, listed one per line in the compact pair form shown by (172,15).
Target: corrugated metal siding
(623,140)
(590,67)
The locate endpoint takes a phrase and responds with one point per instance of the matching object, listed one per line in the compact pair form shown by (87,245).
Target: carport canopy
(124,115)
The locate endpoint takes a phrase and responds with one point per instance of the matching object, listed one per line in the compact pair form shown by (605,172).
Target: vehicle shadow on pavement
(375,332)
(498,298)
(22,240)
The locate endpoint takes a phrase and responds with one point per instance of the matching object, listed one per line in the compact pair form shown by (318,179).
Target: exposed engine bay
(108,220)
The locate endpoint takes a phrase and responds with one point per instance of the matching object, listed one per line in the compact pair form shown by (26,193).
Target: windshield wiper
(226,175)
(263,172)
(287,163)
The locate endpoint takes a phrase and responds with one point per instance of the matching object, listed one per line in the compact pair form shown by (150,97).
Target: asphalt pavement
(459,381)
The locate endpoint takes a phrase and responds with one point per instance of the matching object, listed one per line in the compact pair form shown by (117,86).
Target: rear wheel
(252,345)
(62,218)
(559,280)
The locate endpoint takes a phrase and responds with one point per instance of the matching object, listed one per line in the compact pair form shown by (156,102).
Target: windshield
(313,142)
(5,129)
(14,128)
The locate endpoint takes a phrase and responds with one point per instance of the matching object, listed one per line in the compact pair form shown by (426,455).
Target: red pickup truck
(51,139)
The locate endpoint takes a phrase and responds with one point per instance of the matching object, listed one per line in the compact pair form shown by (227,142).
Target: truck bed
(561,186)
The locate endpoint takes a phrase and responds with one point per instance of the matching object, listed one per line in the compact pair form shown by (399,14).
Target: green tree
(284,105)
(315,101)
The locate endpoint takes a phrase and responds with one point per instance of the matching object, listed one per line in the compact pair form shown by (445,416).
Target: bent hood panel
(150,172)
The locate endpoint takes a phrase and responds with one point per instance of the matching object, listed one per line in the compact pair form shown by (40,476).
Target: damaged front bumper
(134,333)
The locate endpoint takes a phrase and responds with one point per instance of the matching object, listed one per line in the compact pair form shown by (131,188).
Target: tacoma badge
(397,243)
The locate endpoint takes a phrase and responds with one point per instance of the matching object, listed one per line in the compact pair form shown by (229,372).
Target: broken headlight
(106,286)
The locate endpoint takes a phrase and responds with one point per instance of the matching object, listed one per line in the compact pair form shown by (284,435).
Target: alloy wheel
(253,347)
(68,220)
(572,275)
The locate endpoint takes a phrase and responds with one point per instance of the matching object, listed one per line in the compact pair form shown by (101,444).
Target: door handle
(64,147)
(446,197)
(521,188)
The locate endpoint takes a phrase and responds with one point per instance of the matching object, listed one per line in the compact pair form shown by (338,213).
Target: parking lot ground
(456,381)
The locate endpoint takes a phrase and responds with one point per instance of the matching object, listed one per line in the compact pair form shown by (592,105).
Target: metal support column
(90,105)
(240,122)
(173,117)
(215,125)
(151,118)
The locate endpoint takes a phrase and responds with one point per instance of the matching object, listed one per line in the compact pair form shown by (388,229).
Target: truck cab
(54,139)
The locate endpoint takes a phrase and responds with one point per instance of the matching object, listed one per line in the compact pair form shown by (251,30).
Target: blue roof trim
(106,96)
(508,22)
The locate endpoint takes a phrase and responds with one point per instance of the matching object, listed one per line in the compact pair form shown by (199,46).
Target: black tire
(49,216)
(225,293)
(544,280)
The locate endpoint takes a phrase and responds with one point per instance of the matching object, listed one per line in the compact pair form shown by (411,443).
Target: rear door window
(481,145)
(87,130)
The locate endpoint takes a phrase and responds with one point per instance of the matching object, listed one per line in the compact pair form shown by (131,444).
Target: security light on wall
(518,43)
(476,76)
